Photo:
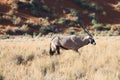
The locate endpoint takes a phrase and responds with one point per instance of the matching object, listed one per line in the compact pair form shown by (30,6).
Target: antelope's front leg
(58,49)
(77,52)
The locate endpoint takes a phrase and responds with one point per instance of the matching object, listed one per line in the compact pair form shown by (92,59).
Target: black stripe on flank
(64,48)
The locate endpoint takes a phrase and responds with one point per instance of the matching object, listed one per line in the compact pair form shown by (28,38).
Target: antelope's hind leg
(51,52)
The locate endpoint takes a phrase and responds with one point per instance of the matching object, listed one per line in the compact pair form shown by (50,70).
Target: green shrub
(110,33)
(98,26)
(108,27)
(71,23)
(34,11)
(94,6)
(119,28)
(94,21)
(74,12)
(88,5)
(71,31)
(45,8)
(116,33)
(61,20)
(44,30)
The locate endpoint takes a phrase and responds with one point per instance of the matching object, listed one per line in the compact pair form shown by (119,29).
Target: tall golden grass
(28,59)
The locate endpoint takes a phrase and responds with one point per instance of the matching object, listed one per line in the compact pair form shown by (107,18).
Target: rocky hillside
(43,16)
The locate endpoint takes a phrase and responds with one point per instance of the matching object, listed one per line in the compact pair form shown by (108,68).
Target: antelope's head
(91,40)
(90,37)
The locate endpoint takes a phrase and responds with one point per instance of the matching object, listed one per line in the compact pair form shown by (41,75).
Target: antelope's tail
(52,49)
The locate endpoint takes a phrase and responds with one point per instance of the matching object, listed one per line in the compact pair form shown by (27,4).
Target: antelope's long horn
(83,27)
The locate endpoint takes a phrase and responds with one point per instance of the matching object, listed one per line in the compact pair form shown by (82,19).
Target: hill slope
(14,15)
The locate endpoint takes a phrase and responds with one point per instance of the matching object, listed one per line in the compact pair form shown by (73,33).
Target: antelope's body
(71,42)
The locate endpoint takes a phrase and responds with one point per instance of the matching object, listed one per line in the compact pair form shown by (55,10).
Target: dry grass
(28,59)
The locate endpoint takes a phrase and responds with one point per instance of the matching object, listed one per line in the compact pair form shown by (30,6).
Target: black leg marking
(77,51)
(51,52)
(58,49)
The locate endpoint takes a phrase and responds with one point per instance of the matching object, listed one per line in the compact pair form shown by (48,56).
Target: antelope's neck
(86,41)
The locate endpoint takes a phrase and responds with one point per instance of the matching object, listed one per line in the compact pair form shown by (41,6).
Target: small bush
(71,31)
(74,12)
(66,11)
(11,1)
(44,30)
(30,57)
(98,26)
(61,20)
(108,27)
(116,33)
(88,5)
(11,12)
(94,6)
(35,12)
(119,28)
(43,70)
(103,33)
(24,28)
(45,8)
(17,21)
(14,6)
(7,17)
(113,33)
(94,21)
(4,36)
(19,59)
(110,33)
(71,23)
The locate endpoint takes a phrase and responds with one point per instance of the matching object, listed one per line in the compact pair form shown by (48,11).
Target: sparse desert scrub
(100,62)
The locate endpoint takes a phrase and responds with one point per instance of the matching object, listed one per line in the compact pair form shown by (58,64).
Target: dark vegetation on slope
(18,17)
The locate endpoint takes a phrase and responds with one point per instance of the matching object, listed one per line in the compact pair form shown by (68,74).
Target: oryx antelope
(72,42)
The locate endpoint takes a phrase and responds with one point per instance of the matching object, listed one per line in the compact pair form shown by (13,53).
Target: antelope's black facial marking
(92,41)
